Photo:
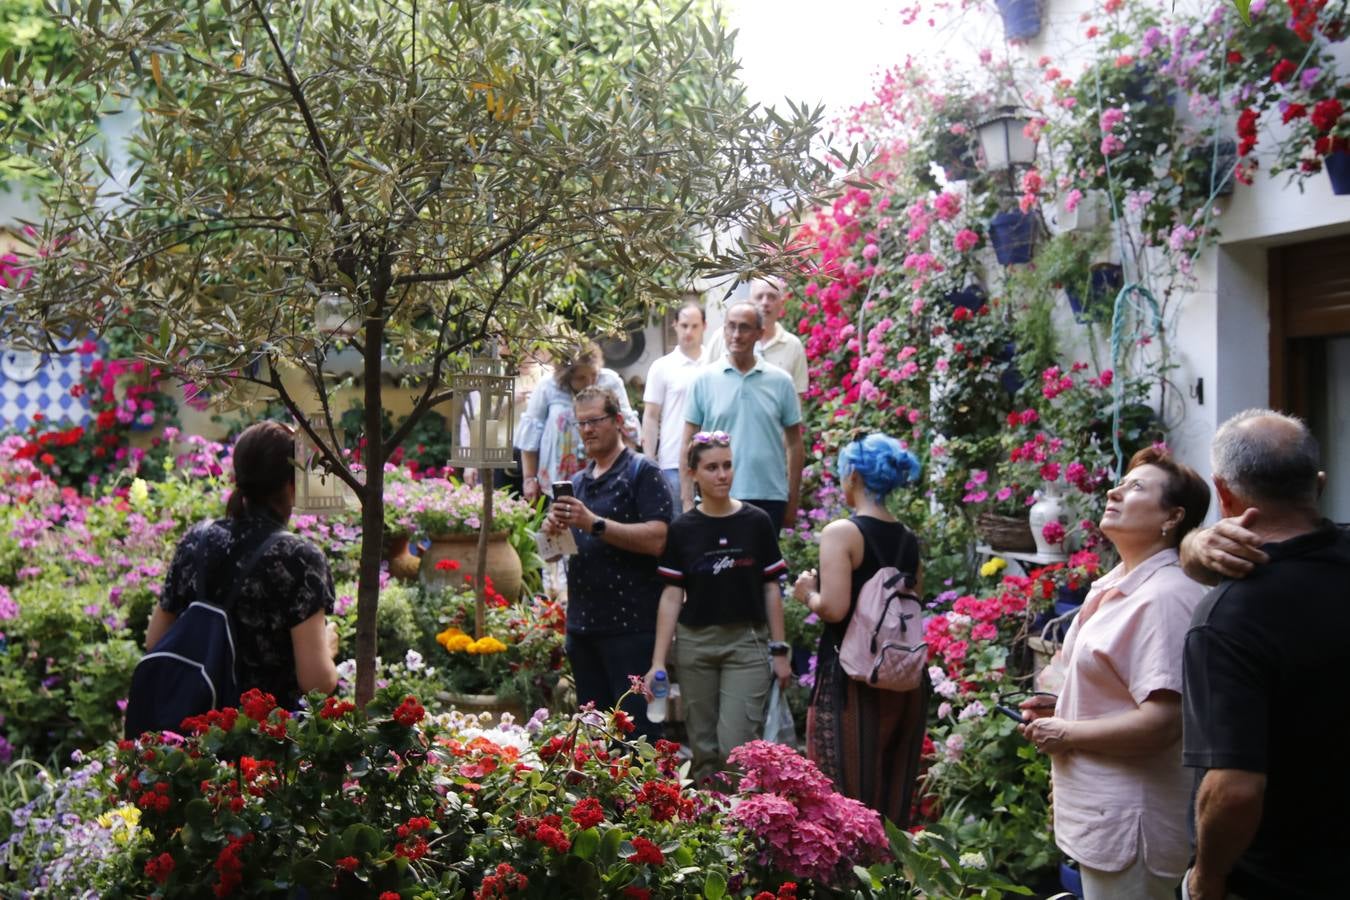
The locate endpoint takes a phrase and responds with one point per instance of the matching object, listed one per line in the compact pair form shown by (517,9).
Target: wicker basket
(1009,533)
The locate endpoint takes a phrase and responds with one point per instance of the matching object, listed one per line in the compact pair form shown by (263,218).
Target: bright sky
(830,50)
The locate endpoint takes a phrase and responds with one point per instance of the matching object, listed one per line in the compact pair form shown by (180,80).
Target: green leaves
(1244,9)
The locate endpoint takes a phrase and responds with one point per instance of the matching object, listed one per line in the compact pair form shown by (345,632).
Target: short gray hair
(1268,458)
(759,316)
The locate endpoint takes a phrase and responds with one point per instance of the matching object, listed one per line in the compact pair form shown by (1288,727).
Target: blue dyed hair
(882,463)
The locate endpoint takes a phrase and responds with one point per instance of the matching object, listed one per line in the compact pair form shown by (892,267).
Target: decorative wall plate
(19,365)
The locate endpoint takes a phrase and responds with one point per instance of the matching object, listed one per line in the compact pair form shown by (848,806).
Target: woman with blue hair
(866,739)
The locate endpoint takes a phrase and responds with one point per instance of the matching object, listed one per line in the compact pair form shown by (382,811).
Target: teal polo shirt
(753,408)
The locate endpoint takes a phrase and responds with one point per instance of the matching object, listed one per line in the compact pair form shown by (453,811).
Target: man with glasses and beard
(618,514)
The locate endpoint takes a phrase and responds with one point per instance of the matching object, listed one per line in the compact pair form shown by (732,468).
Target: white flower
(413,661)
(936,674)
(973,861)
(975,710)
(944,709)
(955,745)
(947,689)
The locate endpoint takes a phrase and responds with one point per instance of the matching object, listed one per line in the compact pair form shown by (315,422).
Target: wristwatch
(779,648)
(598,527)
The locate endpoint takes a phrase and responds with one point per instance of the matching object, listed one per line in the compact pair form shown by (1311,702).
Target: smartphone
(1011,713)
(562,489)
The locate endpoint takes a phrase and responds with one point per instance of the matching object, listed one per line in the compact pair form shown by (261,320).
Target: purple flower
(1308,78)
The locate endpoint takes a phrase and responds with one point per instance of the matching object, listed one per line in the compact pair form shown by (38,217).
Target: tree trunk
(372,517)
(480,600)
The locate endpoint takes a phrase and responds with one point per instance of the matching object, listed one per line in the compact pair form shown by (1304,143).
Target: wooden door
(1310,351)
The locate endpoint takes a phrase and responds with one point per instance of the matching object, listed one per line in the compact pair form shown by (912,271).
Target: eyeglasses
(712,437)
(593,421)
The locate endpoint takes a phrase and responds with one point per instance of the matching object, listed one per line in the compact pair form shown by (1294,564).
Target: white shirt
(668,382)
(784,350)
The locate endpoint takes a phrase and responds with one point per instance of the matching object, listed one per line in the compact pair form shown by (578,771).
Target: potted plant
(449,513)
(1013,236)
(1021,19)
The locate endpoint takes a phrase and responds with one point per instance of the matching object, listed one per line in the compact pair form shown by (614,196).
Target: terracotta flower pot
(503,563)
(402,564)
(473,704)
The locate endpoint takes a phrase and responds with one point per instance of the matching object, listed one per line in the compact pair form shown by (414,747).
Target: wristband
(779,648)
(532,478)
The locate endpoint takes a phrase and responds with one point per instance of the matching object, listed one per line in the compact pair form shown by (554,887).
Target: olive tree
(435,170)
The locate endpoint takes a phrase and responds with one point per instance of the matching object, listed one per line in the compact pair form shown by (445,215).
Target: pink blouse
(1109,810)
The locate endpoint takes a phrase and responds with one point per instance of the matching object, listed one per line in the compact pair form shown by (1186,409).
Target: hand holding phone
(562,489)
(1011,713)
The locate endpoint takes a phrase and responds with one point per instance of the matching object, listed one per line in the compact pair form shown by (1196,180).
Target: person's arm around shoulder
(841,545)
(315,644)
(1227,549)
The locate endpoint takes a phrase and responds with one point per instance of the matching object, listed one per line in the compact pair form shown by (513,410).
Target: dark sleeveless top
(886,539)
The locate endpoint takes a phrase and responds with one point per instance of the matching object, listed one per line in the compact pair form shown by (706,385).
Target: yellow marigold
(457,643)
(994,566)
(486,644)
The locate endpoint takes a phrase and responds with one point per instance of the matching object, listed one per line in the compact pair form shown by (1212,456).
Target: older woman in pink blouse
(1114,733)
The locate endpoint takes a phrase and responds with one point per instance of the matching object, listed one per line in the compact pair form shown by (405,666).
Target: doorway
(1310,352)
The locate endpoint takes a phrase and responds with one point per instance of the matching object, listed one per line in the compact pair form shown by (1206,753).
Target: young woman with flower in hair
(867,740)
(723,607)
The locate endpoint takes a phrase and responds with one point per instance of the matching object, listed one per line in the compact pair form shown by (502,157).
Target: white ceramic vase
(1049,507)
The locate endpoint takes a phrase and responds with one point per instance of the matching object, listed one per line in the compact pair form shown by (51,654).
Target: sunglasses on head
(712,437)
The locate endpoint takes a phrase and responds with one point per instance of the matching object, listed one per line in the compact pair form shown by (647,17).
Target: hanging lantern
(318,492)
(483,411)
(1004,140)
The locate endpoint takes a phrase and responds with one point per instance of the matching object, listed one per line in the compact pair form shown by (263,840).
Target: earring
(1164,531)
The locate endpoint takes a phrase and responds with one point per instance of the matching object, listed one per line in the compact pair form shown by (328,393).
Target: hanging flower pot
(1013,235)
(1089,213)
(1105,282)
(1217,167)
(971,298)
(1021,19)
(1338,170)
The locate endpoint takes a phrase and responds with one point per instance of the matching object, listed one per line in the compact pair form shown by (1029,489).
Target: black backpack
(192,668)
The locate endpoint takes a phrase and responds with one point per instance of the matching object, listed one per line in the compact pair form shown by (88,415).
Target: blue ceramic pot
(971,298)
(1338,170)
(1021,19)
(1013,235)
(1105,281)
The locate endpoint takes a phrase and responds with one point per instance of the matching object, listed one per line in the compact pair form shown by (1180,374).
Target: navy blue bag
(192,668)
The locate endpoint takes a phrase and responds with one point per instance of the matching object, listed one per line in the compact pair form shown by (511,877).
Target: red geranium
(1326,114)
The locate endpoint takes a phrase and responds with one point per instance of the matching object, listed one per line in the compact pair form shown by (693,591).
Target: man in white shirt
(668,382)
(778,346)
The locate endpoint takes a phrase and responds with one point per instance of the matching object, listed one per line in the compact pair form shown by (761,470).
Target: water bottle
(656,707)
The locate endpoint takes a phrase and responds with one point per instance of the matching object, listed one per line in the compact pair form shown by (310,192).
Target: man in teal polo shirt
(756,403)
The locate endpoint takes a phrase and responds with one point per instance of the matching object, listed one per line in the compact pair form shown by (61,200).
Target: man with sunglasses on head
(756,403)
(619,514)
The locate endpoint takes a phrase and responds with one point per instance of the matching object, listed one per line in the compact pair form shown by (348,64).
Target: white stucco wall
(1221,329)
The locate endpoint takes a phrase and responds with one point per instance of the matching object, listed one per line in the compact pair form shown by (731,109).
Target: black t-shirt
(1264,691)
(722,562)
(613,591)
(287,586)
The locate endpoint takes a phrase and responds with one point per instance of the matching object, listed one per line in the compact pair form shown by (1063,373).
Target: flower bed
(393,802)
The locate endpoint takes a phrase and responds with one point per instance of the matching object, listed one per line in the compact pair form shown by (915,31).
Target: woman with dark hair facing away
(1114,733)
(721,567)
(866,739)
(284,644)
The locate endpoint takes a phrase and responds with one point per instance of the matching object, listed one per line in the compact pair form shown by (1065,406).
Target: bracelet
(533,478)
(779,648)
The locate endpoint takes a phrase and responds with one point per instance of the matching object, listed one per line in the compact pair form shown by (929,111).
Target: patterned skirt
(865,739)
